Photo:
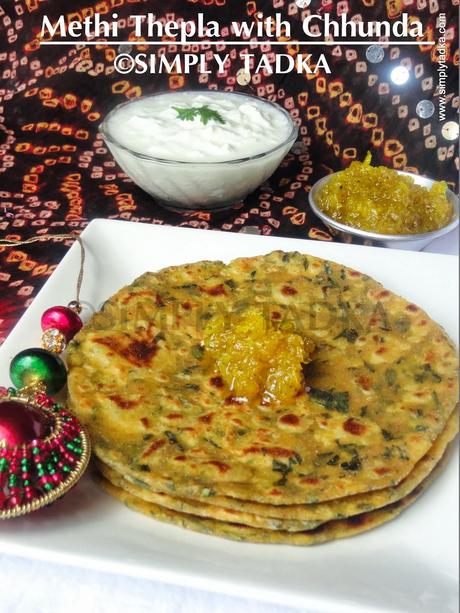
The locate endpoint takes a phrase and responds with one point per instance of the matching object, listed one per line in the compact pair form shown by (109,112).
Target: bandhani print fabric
(56,173)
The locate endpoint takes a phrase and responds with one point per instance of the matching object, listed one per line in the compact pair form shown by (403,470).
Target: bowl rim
(103,129)
(367,234)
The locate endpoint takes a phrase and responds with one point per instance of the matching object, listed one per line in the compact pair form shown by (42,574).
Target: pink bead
(14,501)
(44,400)
(63,319)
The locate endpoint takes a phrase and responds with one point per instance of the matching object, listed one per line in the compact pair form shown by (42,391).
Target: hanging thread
(75,304)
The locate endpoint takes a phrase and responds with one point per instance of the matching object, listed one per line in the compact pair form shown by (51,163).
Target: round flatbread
(330,531)
(293,517)
(202,509)
(379,391)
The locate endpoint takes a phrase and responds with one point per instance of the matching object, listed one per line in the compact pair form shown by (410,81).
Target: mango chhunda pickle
(256,360)
(379,199)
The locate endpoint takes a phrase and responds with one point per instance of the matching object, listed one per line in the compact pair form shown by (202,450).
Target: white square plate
(409,564)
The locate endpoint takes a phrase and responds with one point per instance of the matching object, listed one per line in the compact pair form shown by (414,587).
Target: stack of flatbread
(351,451)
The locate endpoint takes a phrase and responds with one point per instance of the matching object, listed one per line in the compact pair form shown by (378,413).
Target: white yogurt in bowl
(199,150)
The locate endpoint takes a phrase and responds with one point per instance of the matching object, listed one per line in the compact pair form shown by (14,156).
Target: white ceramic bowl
(414,242)
(209,186)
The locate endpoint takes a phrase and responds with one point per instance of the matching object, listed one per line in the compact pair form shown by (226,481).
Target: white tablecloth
(30,586)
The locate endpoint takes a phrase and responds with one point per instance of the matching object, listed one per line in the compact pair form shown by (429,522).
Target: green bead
(33,366)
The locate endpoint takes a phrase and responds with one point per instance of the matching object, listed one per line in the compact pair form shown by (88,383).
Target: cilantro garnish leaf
(204,113)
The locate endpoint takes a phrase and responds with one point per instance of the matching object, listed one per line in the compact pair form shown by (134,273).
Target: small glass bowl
(209,186)
(413,242)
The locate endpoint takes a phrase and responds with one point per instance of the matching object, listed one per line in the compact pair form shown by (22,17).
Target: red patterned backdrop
(56,174)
